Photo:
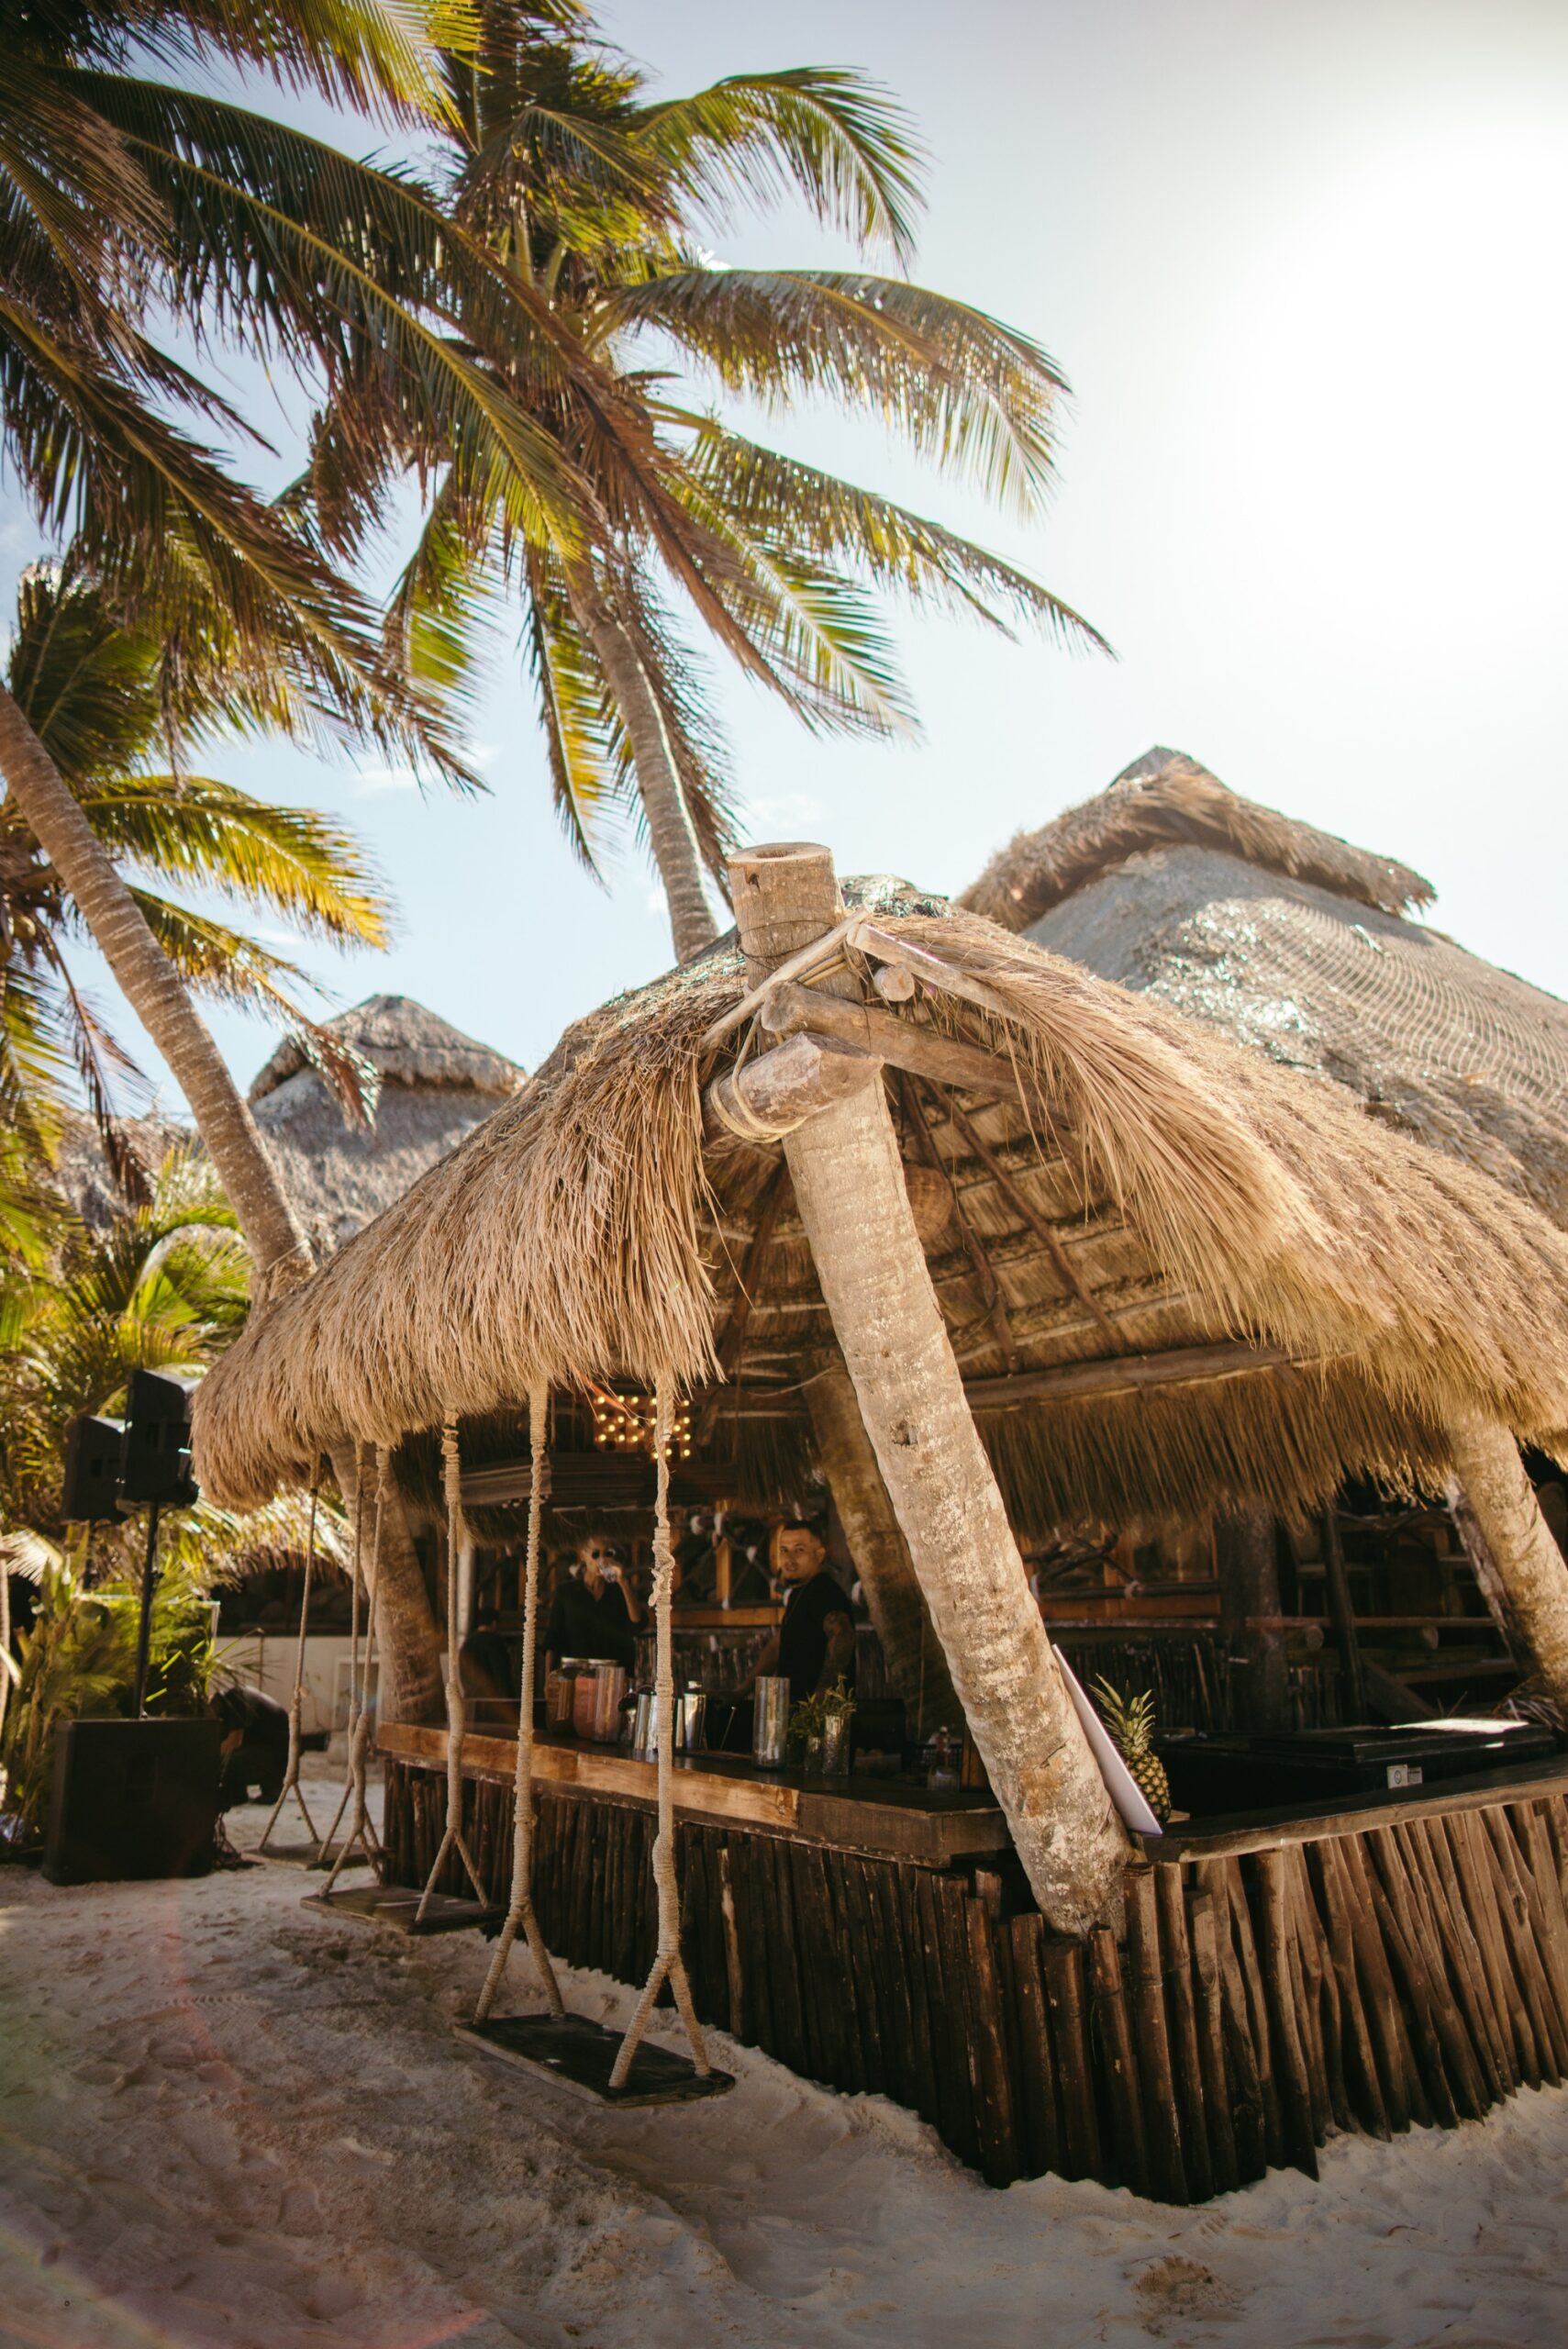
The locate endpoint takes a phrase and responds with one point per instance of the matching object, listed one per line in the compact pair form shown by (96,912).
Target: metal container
(691,1720)
(770,1734)
(644,1741)
(559,1692)
(835,1763)
(597,1695)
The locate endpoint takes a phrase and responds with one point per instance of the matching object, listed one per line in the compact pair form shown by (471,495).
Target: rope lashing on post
(360,1830)
(355,1574)
(296,1702)
(668,1963)
(452,1838)
(520,1909)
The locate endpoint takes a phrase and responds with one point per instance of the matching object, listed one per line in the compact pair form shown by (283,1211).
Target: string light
(624,1423)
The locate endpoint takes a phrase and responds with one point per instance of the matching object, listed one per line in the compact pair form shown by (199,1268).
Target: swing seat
(397,1906)
(579,2055)
(302,1855)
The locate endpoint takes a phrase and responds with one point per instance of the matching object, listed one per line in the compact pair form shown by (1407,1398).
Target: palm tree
(591,195)
(92,694)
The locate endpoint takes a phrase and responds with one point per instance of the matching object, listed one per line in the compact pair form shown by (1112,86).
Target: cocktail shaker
(770,1734)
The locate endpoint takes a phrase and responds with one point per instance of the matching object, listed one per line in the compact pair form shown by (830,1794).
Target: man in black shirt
(814,1645)
(593,1614)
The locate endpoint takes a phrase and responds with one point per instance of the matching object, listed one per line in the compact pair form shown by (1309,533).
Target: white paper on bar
(1129,1797)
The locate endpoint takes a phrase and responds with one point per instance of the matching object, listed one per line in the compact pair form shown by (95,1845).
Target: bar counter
(932,1827)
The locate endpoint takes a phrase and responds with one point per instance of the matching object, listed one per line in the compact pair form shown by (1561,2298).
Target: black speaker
(132,1800)
(92,1449)
(155,1463)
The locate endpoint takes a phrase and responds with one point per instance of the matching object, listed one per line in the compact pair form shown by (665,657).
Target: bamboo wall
(1415,1972)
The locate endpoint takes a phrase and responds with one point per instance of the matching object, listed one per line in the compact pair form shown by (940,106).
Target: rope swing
(291,1775)
(452,1836)
(521,1910)
(360,1832)
(668,1963)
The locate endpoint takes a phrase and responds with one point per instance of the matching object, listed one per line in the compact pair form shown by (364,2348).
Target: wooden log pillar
(1517,1563)
(917,1668)
(1249,1618)
(845,1165)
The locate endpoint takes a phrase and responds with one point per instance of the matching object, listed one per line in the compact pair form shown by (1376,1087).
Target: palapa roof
(1298,945)
(1147,1186)
(436,1085)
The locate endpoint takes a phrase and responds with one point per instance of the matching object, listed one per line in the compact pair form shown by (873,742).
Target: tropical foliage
(93,693)
(593,200)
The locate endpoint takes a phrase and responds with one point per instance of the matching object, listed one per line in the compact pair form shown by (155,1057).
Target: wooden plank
(1306,1986)
(1119,2067)
(949,2022)
(1404,2091)
(1522,1935)
(999,2158)
(1465,2084)
(1170,1900)
(1358,2058)
(927,2099)
(1209,1999)
(1162,2120)
(1322,1988)
(1466,1965)
(1541,1873)
(1129,1374)
(1040,2121)
(1473,1867)
(892,1970)
(1066,2006)
(958,2020)
(1420,2000)
(1274,1935)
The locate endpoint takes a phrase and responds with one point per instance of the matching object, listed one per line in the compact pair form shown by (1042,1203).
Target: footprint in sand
(1175,2289)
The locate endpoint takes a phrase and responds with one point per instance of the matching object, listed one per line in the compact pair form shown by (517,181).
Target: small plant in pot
(819,1730)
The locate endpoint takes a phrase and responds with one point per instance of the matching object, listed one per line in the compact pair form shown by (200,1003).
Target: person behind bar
(595,1612)
(814,1645)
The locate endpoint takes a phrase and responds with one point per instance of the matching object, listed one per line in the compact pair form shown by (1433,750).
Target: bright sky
(1302,263)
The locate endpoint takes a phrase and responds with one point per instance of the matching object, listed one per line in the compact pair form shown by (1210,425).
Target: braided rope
(452,1837)
(668,1963)
(291,1775)
(360,1830)
(521,1910)
(733,1111)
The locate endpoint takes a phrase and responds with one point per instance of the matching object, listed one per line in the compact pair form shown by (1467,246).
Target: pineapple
(1130,1721)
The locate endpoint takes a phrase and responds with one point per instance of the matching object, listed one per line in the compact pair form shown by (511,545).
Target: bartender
(595,1612)
(814,1645)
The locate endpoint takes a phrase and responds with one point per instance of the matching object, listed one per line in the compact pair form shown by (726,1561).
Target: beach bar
(1004,1257)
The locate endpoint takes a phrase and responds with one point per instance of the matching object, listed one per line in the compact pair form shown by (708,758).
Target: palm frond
(833,138)
(970,393)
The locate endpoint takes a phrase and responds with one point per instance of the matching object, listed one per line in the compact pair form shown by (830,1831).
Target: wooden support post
(848,1186)
(1249,1618)
(1517,1563)
(917,1668)
(1343,1616)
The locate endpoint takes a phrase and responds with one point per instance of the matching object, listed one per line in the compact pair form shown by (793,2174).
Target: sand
(225,2119)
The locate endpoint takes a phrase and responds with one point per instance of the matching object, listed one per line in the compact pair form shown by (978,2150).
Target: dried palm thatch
(1295,945)
(1146,1186)
(1165,800)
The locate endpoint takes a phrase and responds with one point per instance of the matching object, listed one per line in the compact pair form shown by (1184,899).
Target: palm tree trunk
(272,1232)
(669,828)
(848,1186)
(158,996)
(1521,1571)
(917,1668)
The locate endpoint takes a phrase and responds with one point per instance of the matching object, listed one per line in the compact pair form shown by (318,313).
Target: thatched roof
(1296,944)
(1194,1192)
(436,1085)
(1165,800)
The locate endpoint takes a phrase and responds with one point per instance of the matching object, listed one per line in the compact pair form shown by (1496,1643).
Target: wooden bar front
(1404,1963)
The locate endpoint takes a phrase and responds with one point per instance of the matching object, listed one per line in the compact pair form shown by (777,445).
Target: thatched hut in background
(435,1085)
(1302,947)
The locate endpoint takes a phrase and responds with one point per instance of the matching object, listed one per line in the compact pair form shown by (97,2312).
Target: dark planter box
(132,1800)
